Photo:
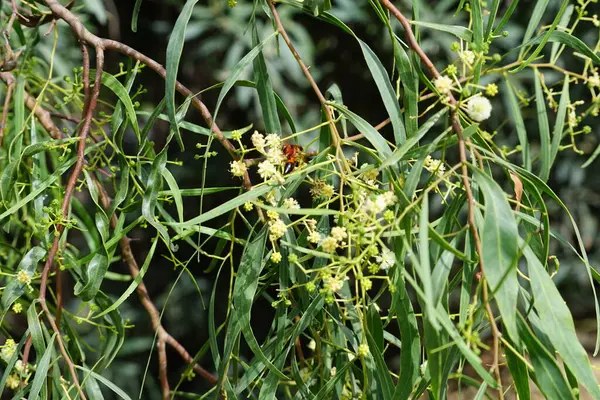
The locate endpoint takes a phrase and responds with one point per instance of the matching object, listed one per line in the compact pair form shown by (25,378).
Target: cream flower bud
(443,84)
(237,168)
(258,141)
(266,169)
(479,108)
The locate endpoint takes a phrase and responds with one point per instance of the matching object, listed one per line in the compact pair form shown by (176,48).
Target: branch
(31,103)
(457,127)
(335,135)
(90,106)
(86,37)
(163,337)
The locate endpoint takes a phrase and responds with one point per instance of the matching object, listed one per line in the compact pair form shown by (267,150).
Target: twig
(30,102)
(89,38)
(89,108)
(361,135)
(456,126)
(163,337)
(306,72)
(9,91)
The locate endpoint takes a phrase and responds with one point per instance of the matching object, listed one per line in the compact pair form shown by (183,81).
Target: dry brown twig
(457,127)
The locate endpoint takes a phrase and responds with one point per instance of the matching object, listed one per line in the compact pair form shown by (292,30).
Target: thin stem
(457,127)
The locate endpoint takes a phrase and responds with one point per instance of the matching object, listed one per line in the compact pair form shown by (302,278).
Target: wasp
(294,155)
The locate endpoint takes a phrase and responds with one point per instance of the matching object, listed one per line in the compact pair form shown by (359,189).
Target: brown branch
(9,90)
(31,103)
(89,38)
(163,337)
(89,108)
(457,127)
(361,135)
(306,72)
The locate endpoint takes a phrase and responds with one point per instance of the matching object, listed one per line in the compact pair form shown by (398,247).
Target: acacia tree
(411,253)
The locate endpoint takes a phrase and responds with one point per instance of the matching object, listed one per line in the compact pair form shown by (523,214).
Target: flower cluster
(269,147)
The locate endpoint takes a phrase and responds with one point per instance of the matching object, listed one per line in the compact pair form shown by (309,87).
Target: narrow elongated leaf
(570,41)
(382,81)
(410,356)
(459,31)
(477,22)
(174,50)
(122,93)
(412,141)
(544,39)
(367,129)
(153,186)
(93,275)
(133,284)
(16,287)
(244,290)
(266,96)
(237,71)
(174,191)
(318,7)
(106,382)
(41,371)
(518,370)
(517,117)
(542,117)
(536,16)
(499,236)
(136,13)
(558,323)
(560,121)
(549,377)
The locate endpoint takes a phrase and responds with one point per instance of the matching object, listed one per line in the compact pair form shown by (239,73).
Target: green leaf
(558,323)
(388,96)
(117,88)
(517,117)
(174,191)
(237,71)
(570,41)
(15,287)
(153,186)
(410,356)
(380,144)
(542,117)
(136,13)
(245,287)
(534,20)
(133,286)
(506,17)
(424,266)
(477,22)
(266,96)
(459,31)
(491,19)
(560,121)
(317,6)
(412,141)
(106,382)
(174,50)
(499,240)
(518,370)
(92,278)
(544,39)
(41,370)
(549,377)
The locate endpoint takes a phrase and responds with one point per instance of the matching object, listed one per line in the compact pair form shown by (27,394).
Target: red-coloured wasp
(294,155)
